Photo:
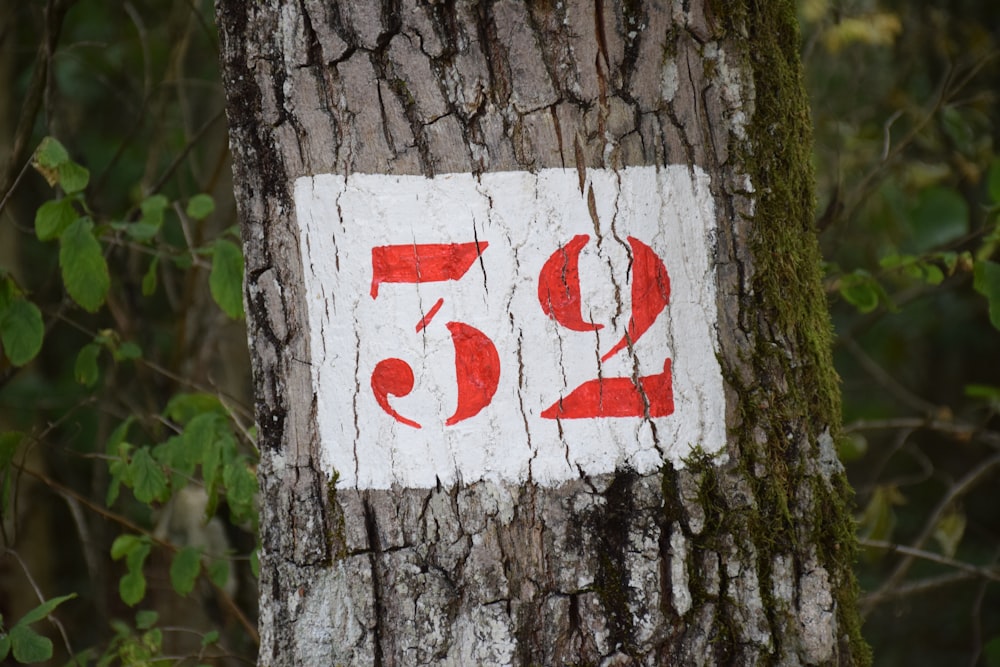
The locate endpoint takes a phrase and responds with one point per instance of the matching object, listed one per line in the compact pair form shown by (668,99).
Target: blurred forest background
(125,408)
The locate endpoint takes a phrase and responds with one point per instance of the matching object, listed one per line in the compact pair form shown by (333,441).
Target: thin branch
(13,186)
(959,430)
(991,573)
(920,587)
(959,489)
(147,66)
(55,12)
(165,176)
(224,597)
(237,404)
(948,88)
(41,598)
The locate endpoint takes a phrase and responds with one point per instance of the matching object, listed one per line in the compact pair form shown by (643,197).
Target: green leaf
(43,610)
(82,658)
(211,467)
(73,177)
(127,352)
(152,208)
(29,646)
(878,520)
(149,279)
(153,640)
(932,275)
(145,619)
(118,436)
(4,645)
(860,290)
(84,270)
(118,471)
(142,231)
(241,487)
(21,330)
(184,569)
(939,216)
(993,181)
(132,587)
(991,651)
(982,391)
(986,281)
(182,408)
(226,278)
(949,531)
(48,157)
(218,573)
(200,206)
(151,221)
(86,371)
(53,217)
(894,261)
(9,442)
(210,637)
(852,447)
(172,454)
(199,437)
(124,545)
(50,153)
(148,481)
(201,430)
(255,562)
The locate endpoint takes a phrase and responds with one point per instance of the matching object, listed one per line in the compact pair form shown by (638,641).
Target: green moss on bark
(796,395)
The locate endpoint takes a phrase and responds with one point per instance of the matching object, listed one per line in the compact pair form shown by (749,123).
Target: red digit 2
(477,364)
(559,296)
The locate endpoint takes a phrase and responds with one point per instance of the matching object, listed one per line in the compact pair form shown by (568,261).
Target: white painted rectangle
(381,252)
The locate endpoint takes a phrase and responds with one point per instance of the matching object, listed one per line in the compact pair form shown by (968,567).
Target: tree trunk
(734,543)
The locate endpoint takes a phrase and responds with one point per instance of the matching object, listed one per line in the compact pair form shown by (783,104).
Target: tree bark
(739,559)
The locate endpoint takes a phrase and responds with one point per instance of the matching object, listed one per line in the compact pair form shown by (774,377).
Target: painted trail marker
(512,324)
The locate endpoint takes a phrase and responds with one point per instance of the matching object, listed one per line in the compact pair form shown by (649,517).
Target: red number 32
(477,364)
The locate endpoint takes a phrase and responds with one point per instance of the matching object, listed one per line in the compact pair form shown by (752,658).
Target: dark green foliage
(26,645)
(906,120)
(123,375)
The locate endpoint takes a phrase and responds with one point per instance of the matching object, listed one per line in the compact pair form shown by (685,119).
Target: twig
(41,598)
(962,487)
(992,574)
(224,597)
(959,430)
(165,176)
(916,588)
(55,12)
(13,186)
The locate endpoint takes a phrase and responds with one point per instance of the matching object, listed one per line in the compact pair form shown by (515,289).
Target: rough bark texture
(747,562)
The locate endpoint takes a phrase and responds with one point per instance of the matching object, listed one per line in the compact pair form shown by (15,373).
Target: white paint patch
(395,281)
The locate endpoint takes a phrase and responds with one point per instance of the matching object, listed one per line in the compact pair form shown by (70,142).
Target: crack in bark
(374,545)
